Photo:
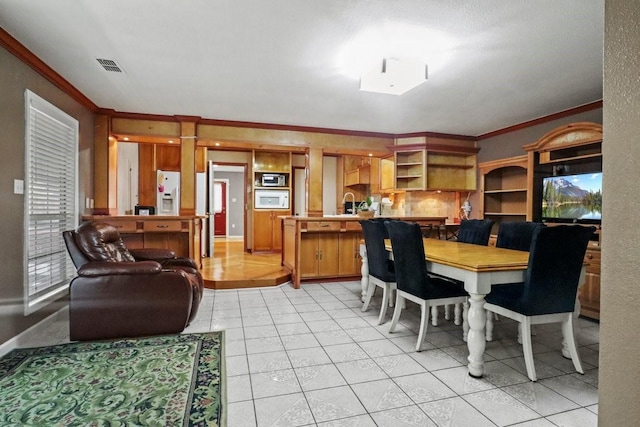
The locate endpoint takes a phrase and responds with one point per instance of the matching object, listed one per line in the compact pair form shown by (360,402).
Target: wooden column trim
(188,168)
(105,168)
(314,182)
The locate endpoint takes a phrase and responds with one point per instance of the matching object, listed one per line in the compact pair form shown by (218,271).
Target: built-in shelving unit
(435,167)
(504,190)
(410,169)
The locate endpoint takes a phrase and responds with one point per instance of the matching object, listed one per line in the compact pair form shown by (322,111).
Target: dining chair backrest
(476,231)
(380,265)
(409,258)
(553,273)
(516,234)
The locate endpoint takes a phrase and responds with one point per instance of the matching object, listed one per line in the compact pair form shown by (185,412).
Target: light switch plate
(18,186)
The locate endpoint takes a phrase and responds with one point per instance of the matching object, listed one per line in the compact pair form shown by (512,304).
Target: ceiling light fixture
(395,77)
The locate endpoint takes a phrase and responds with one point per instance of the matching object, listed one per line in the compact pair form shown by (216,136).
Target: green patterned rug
(174,380)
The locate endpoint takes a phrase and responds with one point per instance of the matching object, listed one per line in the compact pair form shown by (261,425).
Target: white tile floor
(310,357)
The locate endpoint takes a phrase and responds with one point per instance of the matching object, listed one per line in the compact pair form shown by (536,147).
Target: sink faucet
(353,202)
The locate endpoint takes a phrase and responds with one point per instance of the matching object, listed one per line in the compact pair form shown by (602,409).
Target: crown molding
(18,50)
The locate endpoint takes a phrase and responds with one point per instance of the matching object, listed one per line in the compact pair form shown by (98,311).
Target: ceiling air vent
(110,65)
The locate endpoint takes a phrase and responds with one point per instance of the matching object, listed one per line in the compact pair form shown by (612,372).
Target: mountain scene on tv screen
(561,198)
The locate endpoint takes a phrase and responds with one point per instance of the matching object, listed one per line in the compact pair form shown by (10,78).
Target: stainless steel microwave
(271,199)
(273,180)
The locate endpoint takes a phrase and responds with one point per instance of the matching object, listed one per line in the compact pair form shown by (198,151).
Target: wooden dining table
(479,267)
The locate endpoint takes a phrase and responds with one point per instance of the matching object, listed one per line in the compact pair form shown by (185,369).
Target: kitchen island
(328,247)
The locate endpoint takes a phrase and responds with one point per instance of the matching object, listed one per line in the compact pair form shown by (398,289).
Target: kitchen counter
(328,247)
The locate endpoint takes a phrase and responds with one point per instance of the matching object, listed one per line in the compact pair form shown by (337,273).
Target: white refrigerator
(168,193)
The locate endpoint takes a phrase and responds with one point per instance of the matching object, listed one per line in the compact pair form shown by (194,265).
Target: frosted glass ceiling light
(396,76)
(363,53)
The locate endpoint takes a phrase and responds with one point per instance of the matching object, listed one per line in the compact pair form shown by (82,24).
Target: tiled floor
(310,357)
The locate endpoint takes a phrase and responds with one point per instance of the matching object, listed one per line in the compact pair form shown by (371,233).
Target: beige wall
(15,77)
(619,383)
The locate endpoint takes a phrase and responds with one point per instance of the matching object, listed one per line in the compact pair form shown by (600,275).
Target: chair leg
(434,315)
(424,324)
(528,349)
(385,303)
(370,290)
(569,337)
(396,312)
(520,333)
(457,314)
(488,328)
(465,321)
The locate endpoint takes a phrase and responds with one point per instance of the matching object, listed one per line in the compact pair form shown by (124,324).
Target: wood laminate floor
(232,268)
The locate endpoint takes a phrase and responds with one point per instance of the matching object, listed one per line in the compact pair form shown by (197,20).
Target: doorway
(221,200)
(227,221)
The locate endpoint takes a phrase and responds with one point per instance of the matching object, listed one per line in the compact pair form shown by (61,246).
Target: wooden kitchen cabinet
(267,230)
(434,167)
(168,157)
(359,176)
(319,252)
(349,263)
(387,174)
(327,247)
(589,293)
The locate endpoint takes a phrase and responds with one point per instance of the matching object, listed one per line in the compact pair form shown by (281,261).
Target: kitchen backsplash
(423,203)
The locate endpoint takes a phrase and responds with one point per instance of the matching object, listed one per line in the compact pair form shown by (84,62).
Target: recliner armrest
(152,254)
(179,262)
(103,268)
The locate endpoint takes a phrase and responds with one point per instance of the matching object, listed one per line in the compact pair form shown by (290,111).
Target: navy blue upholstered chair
(413,281)
(476,231)
(548,293)
(516,235)
(381,267)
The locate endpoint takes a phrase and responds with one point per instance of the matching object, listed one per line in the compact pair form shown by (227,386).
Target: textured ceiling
(493,64)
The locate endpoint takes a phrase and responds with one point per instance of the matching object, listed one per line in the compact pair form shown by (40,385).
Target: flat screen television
(572,198)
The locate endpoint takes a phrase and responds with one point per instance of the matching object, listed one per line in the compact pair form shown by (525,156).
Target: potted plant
(363,208)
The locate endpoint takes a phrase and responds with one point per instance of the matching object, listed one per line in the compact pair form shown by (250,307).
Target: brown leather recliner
(122,293)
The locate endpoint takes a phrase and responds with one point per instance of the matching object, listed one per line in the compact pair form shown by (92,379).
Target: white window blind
(50,199)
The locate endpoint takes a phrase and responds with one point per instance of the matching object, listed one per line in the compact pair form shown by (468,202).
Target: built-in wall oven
(271,199)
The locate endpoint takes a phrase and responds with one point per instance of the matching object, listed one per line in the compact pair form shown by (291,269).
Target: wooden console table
(180,234)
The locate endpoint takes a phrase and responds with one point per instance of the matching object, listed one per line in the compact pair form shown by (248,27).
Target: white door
(211,209)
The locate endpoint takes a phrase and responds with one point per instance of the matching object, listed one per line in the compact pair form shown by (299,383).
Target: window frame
(37,109)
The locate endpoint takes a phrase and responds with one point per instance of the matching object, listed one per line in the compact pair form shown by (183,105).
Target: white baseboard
(16,341)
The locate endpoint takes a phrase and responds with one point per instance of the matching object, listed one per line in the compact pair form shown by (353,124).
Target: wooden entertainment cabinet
(511,189)
(578,148)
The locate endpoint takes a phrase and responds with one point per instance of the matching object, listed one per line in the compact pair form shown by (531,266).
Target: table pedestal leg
(476,339)
(364,271)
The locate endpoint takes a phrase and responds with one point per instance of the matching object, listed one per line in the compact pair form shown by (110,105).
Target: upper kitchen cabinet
(357,170)
(272,169)
(435,167)
(387,174)
(168,157)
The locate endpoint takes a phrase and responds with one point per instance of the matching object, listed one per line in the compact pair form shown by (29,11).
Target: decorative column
(313,182)
(188,166)
(105,168)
